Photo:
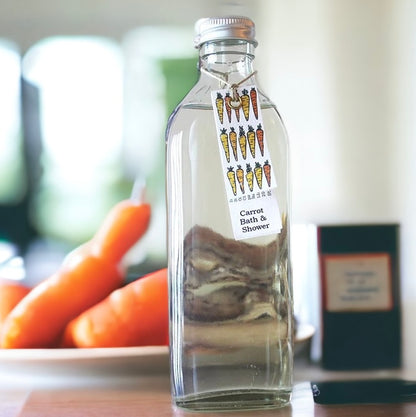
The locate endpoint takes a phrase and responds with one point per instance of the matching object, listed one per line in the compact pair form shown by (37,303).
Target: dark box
(361,318)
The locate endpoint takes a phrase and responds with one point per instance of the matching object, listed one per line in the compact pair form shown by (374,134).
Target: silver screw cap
(223,28)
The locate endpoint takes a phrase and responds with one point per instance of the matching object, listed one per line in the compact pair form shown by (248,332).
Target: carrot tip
(138,193)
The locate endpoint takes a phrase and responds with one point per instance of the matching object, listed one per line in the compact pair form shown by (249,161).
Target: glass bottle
(231,310)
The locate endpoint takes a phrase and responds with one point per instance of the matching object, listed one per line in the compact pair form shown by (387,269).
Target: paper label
(360,282)
(248,170)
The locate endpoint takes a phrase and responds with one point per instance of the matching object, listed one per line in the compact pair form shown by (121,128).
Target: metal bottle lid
(223,28)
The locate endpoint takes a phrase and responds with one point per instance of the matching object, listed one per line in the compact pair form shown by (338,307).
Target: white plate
(99,361)
(304,333)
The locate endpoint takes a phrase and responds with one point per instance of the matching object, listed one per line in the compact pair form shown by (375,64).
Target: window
(12,183)
(78,82)
(160,68)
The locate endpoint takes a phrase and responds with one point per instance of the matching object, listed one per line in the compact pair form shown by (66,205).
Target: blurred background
(86,88)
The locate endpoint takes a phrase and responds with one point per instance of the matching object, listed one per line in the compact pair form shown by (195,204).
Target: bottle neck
(228,60)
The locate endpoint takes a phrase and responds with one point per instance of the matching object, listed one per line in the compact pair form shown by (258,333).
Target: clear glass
(230,300)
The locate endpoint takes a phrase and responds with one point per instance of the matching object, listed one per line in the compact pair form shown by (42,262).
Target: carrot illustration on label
(258,172)
(249,177)
(267,172)
(240,177)
(227,100)
(231,178)
(236,100)
(253,97)
(233,141)
(260,138)
(242,140)
(224,141)
(245,104)
(219,102)
(252,141)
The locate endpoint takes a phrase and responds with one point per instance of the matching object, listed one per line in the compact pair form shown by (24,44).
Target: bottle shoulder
(200,96)
(198,103)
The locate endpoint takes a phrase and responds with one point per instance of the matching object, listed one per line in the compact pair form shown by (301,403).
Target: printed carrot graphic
(219,102)
(224,141)
(227,100)
(249,177)
(260,138)
(236,99)
(242,140)
(258,172)
(240,177)
(233,141)
(251,136)
(267,172)
(253,97)
(231,178)
(245,104)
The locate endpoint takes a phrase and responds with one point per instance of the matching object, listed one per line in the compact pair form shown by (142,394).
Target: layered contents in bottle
(235,293)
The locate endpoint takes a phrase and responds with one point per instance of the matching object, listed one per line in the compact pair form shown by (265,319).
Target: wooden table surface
(149,395)
(154,400)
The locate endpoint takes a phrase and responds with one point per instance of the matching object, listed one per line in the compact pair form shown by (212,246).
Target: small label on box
(360,282)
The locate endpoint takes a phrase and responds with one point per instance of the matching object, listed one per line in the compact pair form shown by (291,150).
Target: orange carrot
(253,97)
(245,104)
(134,315)
(267,172)
(87,275)
(10,294)
(240,177)
(40,317)
(260,138)
(233,141)
(122,228)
